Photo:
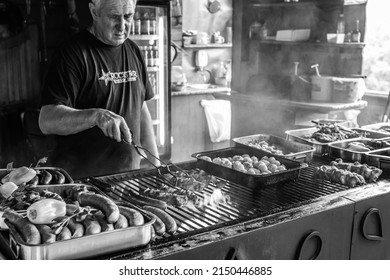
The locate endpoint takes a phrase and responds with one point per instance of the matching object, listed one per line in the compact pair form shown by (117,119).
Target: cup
(219,40)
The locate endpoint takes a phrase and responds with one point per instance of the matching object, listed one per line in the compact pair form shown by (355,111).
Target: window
(376,60)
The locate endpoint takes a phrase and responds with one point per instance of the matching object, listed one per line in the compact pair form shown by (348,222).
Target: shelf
(207,46)
(311,44)
(144,37)
(300,4)
(152,68)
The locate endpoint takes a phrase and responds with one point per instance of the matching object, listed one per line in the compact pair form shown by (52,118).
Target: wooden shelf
(207,46)
(144,37)
(311,44)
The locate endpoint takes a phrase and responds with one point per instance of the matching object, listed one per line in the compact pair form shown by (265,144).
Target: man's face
(113,20)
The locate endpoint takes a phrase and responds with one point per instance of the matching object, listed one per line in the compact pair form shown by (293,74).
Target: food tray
(303,135)
(372,134)
(68,179)
(379,158)
(291,150)
(82,247)
(339,149)
(254,181)
(378,127)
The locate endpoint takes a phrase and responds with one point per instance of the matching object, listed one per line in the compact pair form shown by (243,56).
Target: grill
(246,203)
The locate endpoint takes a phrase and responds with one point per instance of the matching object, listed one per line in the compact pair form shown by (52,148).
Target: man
(94,96)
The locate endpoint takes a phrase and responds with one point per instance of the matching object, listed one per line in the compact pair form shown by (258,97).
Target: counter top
(319,107)
(193,91)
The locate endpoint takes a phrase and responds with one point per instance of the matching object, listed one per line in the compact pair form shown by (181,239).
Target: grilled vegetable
(102,203)
(19,175)
(169,222)
(7,189)
(27,230)
(45,210)
(46,234)
(46,177)
(133,216)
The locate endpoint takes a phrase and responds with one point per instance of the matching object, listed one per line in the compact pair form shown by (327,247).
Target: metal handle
(367,215)
(317,253)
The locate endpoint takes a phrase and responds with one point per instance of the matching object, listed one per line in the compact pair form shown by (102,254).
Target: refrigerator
(152,33)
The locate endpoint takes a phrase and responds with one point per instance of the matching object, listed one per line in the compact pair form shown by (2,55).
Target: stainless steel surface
(86,246)
(378,127)
(340,149)
(291,149)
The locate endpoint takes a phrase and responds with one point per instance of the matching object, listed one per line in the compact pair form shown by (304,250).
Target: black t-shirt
(86,73)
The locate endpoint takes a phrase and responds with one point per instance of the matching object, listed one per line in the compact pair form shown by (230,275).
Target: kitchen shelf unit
(207,46)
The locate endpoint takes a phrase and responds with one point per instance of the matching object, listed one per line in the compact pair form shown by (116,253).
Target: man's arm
(148,139)
(64,120)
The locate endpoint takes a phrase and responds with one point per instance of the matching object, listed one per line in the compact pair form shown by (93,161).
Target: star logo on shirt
(106,77)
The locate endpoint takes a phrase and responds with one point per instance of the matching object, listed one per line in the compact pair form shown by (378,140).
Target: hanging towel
(218,116)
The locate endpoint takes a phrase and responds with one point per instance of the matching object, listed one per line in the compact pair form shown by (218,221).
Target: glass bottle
(341,24)
(355,36)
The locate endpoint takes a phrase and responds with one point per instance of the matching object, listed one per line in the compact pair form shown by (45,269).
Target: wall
(196,16)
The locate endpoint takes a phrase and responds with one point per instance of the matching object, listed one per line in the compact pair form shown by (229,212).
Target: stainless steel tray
(379,158)
(86,246)
(383,127)
(254,181)
(372,134)
(68,178)
(291,149)
(339,149)
(303,135)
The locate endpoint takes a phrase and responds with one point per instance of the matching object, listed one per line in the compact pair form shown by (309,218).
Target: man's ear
(93,10)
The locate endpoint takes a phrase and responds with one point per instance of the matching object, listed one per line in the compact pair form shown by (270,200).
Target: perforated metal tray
(255,181)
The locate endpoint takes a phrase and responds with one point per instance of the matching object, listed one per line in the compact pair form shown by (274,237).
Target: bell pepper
(45,211)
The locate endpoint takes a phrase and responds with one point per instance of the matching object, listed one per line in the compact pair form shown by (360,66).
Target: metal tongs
(138,149)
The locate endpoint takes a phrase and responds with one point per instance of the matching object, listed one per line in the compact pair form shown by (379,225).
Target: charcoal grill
(246,203)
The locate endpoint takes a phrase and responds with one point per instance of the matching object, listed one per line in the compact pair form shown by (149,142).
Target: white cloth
(218,116)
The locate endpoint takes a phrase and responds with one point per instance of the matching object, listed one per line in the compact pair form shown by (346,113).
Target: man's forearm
(63,120)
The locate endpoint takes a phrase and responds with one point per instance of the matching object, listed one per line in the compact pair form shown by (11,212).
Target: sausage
(122,222)
(152,233)
(103,222)
(47,236)
(27,230)
(104,204)
(91,225)
(46,177)
(34,181)
(142,200)
(169,222)
(65,234)
(133,216)
(58,177)
(76,229)
(158,225)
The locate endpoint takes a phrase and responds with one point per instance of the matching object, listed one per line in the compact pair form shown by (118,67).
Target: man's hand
(113,125)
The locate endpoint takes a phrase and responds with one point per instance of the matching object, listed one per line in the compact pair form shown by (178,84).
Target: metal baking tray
(339,149)
(254,181)
(383,127)
(86,246)
(68,179)
(380,159)
(290,149)
(303,135)
(372,134)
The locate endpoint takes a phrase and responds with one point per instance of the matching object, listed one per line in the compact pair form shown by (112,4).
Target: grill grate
(246,203)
